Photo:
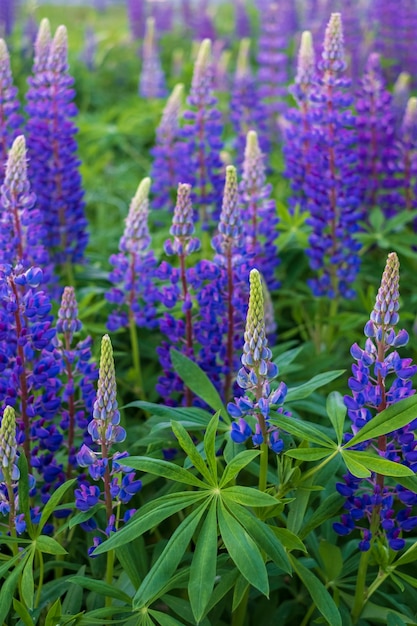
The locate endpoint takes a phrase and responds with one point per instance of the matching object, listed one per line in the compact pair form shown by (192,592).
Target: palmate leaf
(166,469)
(336,410)
(189,448)
(306,389)
(374,463)
(101,588)
(309,454)
(241,460)
(169,559)
(392,418)
(264,537)
(203,566)
(149,516)
(243,551)
(303,430)
(195,379)
(53,502)
(319,594)
(210,445)
(248,496)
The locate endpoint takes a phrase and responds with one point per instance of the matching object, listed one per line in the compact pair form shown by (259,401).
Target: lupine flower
(354,37)
(163,14)
(167,151)
(375,125)
(242,21)
(152,79)
(331,186)
(7,17)
(88,53)
(134,269)
(252,409)
(202,139)
(80,373)
(404,175)
(259,213)
(52,150)
(298,126)
(10,120)
(380,378)
(136,11)
(20,222)
(247,111)
(9,472)
(105,430)
(234,260)
(277,28)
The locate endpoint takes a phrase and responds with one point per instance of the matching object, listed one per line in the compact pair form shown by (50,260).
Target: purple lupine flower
(247,111)
(259,213)
(354,39)
(277,29)
(183,244)
(380,378)
(242,21)
(152,79)
(78,391)
(252,410)
(136,12)
(52,150)
(233,260)
(134,267)
(21,230)
(10,120)
(201,167)
(105,431)
(375,125)
(299,124)
(331,186)
(167,151)
(88,53)
(406,163)
(7,17)
(204,27)
(163,14)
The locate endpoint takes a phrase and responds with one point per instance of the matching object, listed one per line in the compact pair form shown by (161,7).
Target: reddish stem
(188,322)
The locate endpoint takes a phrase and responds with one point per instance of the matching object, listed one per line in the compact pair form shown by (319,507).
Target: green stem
(134,344)
(318,467)
(109,573)
(360,598)
(263,469)
(238,617)
(308,615)
(69,272)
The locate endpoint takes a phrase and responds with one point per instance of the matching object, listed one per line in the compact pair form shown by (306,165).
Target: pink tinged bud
(333,57)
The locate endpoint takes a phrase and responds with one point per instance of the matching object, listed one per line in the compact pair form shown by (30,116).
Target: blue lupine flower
(371,392)
(152,79)
(255,376)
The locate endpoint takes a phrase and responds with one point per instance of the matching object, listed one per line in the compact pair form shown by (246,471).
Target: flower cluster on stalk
(106,467)
(252,410)
(381,378)
(10,119)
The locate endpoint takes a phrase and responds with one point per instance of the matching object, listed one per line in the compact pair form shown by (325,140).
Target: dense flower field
(207,395)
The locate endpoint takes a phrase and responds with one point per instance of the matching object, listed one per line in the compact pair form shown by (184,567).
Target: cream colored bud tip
(252,139)
(306,46)
(3,49)
(143,189)
(204,52)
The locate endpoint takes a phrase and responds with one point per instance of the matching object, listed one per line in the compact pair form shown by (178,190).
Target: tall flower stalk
(9,472)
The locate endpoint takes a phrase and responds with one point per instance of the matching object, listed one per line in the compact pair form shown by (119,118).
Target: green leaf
(164,619)
(288,539)
(189,448)
(194,415)
(309,454)
(149,516)
(395,620)
(354,467)
(392,418)
(304,430)
(53,502)
(101,588)
(243,551)
(8,587)
(332,559)
(409,482)
(248,496)
(241,460)
(326,510)
(73,600)
(379,465)
(168,470)
(9,562)
(336,410)
(203,566)
(241,586)
(319,594)
(168,560)
(197,380)
(286,358)
(410,556)
(306,389)
(210,447)
(264,536)
(49,545)
(138,567)
(23,613)
(27,582)
(411,580)
(83,516)
(54,614)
